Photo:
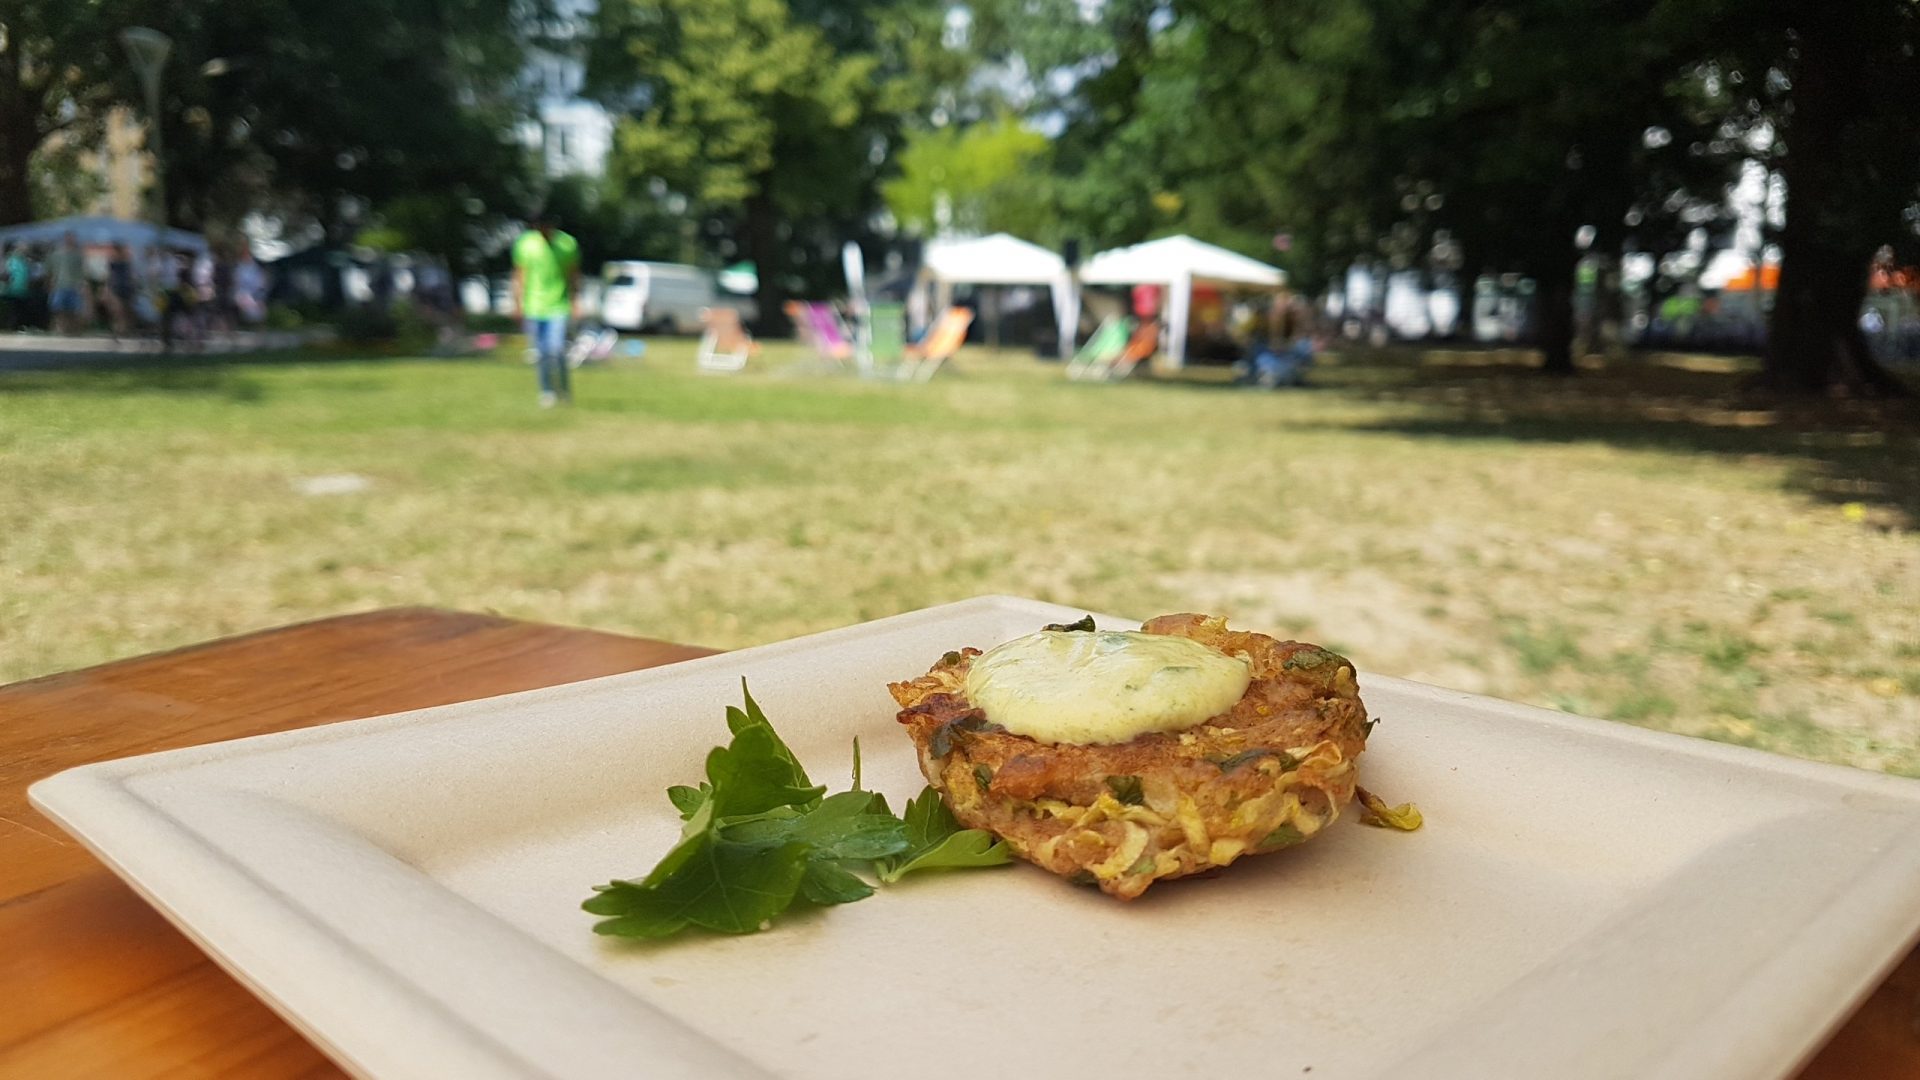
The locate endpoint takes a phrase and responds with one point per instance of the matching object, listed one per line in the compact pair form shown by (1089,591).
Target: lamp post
(148,49)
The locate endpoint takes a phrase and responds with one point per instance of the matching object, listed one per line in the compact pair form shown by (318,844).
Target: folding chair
(942,340)
(1142,345)
(830,335)
(725,345)
(1098,355)
(888,335)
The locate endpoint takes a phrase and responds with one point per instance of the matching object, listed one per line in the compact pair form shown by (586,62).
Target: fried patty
(1267,774)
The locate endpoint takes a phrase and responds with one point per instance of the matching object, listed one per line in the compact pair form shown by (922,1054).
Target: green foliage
(990,176)
(62,182)
(759,835)
(616,221)
(935,841)
(772,120)
(56,60)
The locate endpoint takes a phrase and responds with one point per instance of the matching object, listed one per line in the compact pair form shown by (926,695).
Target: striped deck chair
(942,340)
(821,328)
(1098,355)
(888,336)
(725,345)
(1141,346)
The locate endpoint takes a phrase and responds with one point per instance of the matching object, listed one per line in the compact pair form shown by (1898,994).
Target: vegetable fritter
(1268,773)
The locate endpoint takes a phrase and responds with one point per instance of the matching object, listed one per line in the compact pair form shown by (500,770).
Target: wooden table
(96,983)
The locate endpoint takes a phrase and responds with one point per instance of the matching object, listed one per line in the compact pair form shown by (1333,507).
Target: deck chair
(1102,350)
(887,336)
(829,333)
(1142,345)
(819,326)
(942,340)
(725,345)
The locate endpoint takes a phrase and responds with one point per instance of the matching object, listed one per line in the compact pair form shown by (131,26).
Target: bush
(492,323)
(363,323)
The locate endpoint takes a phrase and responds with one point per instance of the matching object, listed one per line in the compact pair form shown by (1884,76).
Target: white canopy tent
(1001,259)
(1179,263)
(96,231)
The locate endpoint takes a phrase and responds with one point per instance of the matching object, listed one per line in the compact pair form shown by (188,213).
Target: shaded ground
(1639,543)
(1862,452)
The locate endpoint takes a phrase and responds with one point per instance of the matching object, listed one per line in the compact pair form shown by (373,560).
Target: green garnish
(1282,837)
(1127,790)
(983,776)
(942,742)
(1310,657)
(1288,762)
(1084,622)
(759,835)
(935,841)
(1405,817)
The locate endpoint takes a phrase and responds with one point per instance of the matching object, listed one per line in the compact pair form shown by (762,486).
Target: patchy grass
(1640,543)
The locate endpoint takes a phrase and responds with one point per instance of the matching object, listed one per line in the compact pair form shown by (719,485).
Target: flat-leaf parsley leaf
(759,835)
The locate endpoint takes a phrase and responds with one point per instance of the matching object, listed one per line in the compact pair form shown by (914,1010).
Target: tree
(319,113)
(989,176)
(54,56)
(1841,87)
(1369,129)
(62,181)
(776,117)
(327,113)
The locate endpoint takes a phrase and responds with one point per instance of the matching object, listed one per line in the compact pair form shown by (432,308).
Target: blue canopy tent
(96,231)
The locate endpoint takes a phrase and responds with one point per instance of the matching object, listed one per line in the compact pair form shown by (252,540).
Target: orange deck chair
(943,339)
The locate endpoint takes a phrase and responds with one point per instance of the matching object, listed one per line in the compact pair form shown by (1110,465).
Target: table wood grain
(96,983)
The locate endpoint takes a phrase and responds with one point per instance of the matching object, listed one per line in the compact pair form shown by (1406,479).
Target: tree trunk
(19,137)
(1466,285)
(768,253)
(1554,320)
(1814,342)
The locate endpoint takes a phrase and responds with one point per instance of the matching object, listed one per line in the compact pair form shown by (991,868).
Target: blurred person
(224,308)
(546,282)
(434,298)
(17,294)
(177,314)
(199,291)
(249,288)
(1289,347)
(67,287)
(381,284)
(149,299)
(118,295)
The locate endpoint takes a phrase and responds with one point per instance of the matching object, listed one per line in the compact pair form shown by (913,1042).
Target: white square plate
(1587,900)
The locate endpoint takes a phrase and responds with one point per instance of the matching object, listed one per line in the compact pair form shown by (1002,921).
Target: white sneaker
(548,399)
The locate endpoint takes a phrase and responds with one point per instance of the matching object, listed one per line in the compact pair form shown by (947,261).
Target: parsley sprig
(759,835)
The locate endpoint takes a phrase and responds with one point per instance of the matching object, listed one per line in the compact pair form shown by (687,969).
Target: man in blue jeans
(546,283)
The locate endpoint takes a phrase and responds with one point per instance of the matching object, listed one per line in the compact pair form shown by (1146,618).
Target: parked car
(655,297)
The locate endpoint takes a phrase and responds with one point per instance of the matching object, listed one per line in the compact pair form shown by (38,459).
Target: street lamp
(148,49)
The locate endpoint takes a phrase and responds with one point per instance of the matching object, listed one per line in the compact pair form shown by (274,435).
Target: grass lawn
(1634,544)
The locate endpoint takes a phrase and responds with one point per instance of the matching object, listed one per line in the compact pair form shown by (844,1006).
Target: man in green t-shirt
(546,282)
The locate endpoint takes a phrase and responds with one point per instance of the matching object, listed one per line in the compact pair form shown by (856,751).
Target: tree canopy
(1513,136)
(321,113)
(772,120)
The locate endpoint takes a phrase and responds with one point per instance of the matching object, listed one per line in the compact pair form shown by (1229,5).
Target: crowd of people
(176,295)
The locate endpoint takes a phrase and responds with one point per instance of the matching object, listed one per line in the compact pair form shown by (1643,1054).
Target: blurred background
(1562,350)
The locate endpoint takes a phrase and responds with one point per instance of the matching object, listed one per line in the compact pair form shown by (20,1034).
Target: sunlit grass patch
(1673,576)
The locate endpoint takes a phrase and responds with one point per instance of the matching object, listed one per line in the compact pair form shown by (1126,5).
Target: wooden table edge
(1879,1039)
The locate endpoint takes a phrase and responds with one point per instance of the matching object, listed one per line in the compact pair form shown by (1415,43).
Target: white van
(656,297)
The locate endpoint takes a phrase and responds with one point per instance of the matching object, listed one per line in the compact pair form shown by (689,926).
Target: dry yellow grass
(1637,546)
